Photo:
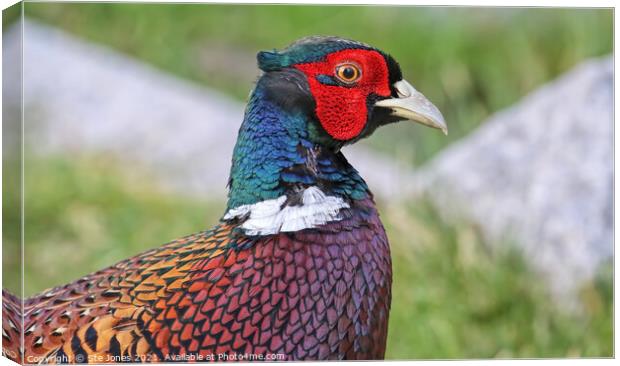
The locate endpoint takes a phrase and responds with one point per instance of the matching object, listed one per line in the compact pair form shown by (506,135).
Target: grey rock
(540,175)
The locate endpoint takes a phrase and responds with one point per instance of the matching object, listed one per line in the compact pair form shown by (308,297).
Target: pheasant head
(314,97)
(348,88)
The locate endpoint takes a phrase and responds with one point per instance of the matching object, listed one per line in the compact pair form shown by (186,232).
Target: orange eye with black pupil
(348,73)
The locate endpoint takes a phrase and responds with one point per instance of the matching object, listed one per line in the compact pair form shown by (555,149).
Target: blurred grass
(469,61)
(89,214)
(452,298)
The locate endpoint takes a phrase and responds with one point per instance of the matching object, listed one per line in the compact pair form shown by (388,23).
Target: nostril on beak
(404,89)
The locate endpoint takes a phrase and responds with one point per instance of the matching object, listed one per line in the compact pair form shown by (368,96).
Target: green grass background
(453,297)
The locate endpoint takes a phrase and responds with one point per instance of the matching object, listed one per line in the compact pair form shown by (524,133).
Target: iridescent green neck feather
(281,149)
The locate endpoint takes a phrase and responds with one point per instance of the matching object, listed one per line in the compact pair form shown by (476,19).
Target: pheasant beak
(413,106)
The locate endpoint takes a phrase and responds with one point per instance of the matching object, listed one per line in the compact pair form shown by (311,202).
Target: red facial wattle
(342,110)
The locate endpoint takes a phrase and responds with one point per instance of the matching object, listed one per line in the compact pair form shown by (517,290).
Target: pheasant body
(299,265)
(306,295)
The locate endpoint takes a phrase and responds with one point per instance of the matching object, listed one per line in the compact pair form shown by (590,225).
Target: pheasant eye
(348,73)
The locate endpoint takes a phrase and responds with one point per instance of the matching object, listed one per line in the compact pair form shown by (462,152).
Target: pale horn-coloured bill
(413,105)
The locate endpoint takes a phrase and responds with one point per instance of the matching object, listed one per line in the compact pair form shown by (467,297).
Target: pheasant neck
(278,163)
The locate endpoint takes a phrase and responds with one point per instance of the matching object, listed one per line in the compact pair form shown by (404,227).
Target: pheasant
(298,267)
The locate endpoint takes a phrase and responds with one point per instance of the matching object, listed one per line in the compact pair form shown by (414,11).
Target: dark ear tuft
(289,89)
(393,68)
(269,60)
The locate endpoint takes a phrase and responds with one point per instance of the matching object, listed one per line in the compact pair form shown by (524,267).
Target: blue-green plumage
(304,51)
(280,146)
